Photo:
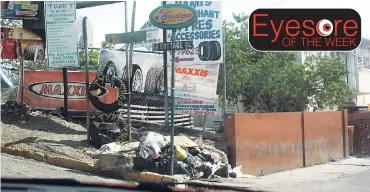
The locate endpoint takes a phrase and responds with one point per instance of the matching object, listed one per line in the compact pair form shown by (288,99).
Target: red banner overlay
(305,29)
(44,89)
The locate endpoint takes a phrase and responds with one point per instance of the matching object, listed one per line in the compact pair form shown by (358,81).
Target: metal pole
(22,79)
(128,79)
(84,28)
(127,76)
(165,79)
(172,103)
(129,72)
(204,124)
(65,87)
(224,84)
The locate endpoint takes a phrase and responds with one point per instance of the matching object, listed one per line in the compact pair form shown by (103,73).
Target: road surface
(332,177)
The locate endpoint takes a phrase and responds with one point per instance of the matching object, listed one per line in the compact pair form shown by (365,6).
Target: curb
(89,167)
(53,160)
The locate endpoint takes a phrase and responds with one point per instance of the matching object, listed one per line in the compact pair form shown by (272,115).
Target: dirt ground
(55,136)
(50,135)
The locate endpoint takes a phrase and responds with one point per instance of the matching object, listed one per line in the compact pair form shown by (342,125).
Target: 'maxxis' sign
(305,29)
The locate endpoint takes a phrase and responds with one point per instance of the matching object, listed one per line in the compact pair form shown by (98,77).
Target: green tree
(105,44)
(93,60)
(276,82)
(326,77)
(93,57)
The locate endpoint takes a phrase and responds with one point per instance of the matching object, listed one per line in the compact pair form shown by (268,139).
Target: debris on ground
(151,144)
(191,160)
(49,133)
(11,111)
(115,148)
(236,172)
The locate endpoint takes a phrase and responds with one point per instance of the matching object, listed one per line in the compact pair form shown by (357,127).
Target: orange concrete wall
(323,136)
(265,142)
(269,142)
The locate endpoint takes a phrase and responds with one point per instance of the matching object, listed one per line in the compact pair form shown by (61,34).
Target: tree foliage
(105,44)
(93,59)
(277,82)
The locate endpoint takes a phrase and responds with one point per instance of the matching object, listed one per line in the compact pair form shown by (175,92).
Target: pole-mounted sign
(173,16)
(178,45)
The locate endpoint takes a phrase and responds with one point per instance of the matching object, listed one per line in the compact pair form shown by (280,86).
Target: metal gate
(361,133)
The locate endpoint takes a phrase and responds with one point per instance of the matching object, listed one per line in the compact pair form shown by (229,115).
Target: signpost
(128,37)
(62,47)
(179,45)
(173,17)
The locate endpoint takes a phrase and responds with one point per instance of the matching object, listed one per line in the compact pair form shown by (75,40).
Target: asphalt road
(359,182)
(18,167)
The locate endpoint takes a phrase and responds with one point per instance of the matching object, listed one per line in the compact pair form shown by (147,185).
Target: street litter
(151,144)
(191,158)
(237,173)
(106,149)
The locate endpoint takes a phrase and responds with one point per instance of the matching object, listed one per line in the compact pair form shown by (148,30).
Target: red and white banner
(44,90)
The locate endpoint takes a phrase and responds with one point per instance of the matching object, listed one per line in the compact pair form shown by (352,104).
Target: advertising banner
(62,47)
(19,42)
(44,90)
(195,107)
(206,34)
(21,10)
(153,35)
(197,82)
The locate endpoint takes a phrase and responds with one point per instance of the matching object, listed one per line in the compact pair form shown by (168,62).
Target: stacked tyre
(209,51)
(99,138)
(34,52)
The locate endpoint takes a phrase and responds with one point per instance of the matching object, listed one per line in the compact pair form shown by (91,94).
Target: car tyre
(135,71)
(34,52)
(154,80)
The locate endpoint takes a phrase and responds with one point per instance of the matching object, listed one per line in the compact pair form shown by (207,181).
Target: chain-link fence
(8,94)
(147,105)
(147,86)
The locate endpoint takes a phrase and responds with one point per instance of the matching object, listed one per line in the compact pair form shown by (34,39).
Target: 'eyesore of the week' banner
(44,90)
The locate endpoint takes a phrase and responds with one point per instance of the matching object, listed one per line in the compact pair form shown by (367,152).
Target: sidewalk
(307,177)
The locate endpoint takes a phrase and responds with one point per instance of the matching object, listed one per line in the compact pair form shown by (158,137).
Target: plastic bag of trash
(237,173)
(106,149)
(151,144)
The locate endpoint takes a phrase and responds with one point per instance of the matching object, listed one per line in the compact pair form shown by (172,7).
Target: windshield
(266,95)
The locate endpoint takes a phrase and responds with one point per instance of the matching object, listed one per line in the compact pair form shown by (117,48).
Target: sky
(111,18)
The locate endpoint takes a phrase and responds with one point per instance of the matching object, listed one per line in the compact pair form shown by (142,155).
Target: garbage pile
(191,159)
(12,111)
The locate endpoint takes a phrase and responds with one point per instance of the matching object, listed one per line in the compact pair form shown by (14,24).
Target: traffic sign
(178,45)
(129,37)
